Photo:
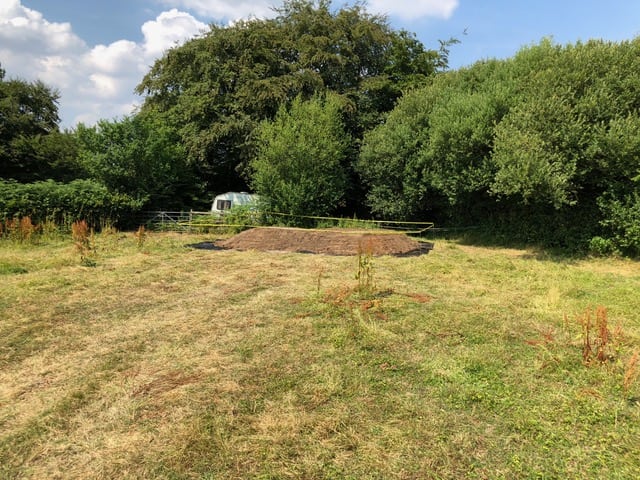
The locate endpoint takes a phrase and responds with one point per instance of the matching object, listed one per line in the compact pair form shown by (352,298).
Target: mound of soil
(330,242)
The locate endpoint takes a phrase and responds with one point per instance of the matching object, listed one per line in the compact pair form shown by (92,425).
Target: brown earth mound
(331,242)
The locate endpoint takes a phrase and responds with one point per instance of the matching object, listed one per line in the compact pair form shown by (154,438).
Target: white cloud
(56,70)
(23,28)
(225,9)
(168,29)
(94,82)
(105,86)
(119,56)
(31,47)
(414,9)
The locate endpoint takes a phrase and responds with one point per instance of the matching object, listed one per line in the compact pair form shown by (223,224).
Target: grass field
(163,361)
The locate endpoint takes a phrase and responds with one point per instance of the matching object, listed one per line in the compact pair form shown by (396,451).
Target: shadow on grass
(476,237)
(205,246)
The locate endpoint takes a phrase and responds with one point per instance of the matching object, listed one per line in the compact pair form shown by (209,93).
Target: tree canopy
(325,110)
(217,88)
(141,157)
(544,145)
(298,169)
(31,144)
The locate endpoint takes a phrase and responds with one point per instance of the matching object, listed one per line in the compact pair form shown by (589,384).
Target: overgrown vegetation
(328,110)
(83,238)
(64,203)
(170,362)
(217,89)
(300,165)
(540,148)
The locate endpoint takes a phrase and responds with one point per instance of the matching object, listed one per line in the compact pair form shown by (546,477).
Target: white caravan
(225,201)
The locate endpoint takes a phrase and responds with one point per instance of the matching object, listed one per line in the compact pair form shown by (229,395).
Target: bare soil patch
(329,242)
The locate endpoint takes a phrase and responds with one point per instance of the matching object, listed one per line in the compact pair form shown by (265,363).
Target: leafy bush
(241,217)
(64,203)
(298,169)
(478,147)
(622,220)
(602,247)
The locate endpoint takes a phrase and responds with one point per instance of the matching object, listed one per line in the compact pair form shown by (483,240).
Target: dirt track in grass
(328,242)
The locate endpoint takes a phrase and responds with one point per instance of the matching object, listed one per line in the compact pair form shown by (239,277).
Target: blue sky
(96,52)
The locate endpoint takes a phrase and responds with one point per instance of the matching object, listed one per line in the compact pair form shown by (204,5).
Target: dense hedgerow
(65,202)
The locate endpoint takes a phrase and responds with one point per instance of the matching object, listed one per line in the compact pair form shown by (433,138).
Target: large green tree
(217,88)
(432,157)
(298,169)
(31,144)
(541,147)
(140,157)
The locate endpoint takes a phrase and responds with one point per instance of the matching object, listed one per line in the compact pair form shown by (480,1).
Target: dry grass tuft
(141,236)
(365,269)
(166,382)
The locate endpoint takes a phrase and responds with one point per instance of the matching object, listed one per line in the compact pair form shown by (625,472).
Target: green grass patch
(164,361)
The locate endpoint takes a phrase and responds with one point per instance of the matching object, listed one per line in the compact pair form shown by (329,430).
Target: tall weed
(630,372)
(364,272)
(141,236)
(21,230)
(83,239)
(596,337)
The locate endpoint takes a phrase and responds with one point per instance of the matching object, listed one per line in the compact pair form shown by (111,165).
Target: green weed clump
(241,217)
(347,223)
(364,273)
(48,230)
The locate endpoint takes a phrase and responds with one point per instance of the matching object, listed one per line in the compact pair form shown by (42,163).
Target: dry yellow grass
(164,361)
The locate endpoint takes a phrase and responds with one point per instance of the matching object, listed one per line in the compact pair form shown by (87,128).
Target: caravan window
(223,204)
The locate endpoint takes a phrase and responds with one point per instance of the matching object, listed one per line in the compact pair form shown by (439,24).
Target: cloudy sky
(96,52)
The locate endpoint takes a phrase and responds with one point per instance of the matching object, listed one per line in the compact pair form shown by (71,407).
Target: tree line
(328,111)
(542,148)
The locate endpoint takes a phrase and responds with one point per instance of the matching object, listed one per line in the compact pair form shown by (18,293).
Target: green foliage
(298,169)
(542,147)
(65,202)
(602,247)
(434,150)
(139,157)
(240,217)
(621,219)
(216,89)
(31,146)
